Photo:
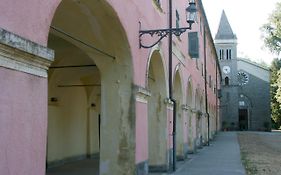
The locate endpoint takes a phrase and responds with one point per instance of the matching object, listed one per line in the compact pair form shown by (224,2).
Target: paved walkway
(222,157)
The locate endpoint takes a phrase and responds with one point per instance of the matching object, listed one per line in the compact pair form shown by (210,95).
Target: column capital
(141,94)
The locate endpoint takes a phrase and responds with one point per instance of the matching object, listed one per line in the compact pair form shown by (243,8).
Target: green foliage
(272,31)
(274,90)
(272,40)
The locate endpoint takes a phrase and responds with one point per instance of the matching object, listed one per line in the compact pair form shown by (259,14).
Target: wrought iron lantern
(162,33)
(191,13)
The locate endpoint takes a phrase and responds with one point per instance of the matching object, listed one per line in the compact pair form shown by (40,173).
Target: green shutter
(193,44)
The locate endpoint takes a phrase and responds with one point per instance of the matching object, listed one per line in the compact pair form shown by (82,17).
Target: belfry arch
(90,89)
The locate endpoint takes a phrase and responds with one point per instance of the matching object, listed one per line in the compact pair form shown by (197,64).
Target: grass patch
(250,168)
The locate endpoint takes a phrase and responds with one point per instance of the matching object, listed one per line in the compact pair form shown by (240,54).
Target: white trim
(23,55)
(141,99)
(225,41)
(13,58)
(141,94)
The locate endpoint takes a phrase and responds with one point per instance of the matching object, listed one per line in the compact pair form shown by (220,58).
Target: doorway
(243,119)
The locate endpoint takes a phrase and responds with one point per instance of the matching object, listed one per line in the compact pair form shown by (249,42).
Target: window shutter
(193,44)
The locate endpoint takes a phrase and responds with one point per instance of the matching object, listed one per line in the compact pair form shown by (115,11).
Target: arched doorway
(90,90)
(157,115)
(244,118)
(178,95)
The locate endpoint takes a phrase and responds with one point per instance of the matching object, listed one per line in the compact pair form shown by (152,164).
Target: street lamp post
(162,33)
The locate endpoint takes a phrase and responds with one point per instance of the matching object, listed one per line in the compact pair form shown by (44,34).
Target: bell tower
(225,40)
(226,47)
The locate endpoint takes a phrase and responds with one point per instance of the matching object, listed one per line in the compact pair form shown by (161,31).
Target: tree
(272,31)
(272,40)
(275,91)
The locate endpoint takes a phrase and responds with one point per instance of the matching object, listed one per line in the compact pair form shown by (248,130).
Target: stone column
(141,97)
(23,105)
(185,109)
(169,106)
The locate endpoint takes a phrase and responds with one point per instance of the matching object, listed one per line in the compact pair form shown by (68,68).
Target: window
(226,81)
(193,44)
(221,54)
(228,54)
(159,2)
(177,19)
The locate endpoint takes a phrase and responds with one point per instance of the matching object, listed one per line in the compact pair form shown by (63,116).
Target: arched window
(226,81)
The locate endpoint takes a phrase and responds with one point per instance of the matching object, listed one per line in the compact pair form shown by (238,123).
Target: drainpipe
(206,94)
(171,85)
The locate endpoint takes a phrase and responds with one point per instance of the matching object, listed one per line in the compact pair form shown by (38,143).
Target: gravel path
(261,152)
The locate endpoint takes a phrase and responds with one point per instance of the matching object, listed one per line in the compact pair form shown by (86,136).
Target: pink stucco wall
(23,123)
(28,17)
(23,105)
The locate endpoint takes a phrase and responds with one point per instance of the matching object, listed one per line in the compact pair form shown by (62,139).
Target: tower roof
(225,30)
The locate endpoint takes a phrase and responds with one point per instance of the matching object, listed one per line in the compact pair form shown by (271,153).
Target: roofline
(253,63)
(206,25)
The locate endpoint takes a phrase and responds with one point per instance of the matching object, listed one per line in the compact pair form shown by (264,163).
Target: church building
(245,98)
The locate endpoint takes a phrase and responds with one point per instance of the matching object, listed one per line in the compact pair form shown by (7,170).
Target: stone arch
(153,50)
(157,114)
(190,117)
(98,90)
(178,96)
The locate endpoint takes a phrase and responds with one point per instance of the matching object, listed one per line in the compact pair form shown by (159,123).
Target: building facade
(76,85)
(245,101)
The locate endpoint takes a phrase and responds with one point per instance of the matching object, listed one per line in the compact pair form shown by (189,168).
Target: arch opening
(157,115)
(90,92)
(189,102)
(181,124)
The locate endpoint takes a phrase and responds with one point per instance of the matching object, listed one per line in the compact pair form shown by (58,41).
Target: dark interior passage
(243,119)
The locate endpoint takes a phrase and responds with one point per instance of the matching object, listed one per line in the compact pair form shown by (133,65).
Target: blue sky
(245,17)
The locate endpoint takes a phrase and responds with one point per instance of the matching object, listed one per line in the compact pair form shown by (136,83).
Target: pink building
(75,85)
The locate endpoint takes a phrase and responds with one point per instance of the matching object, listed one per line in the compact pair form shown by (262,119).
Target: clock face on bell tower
(226,69)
